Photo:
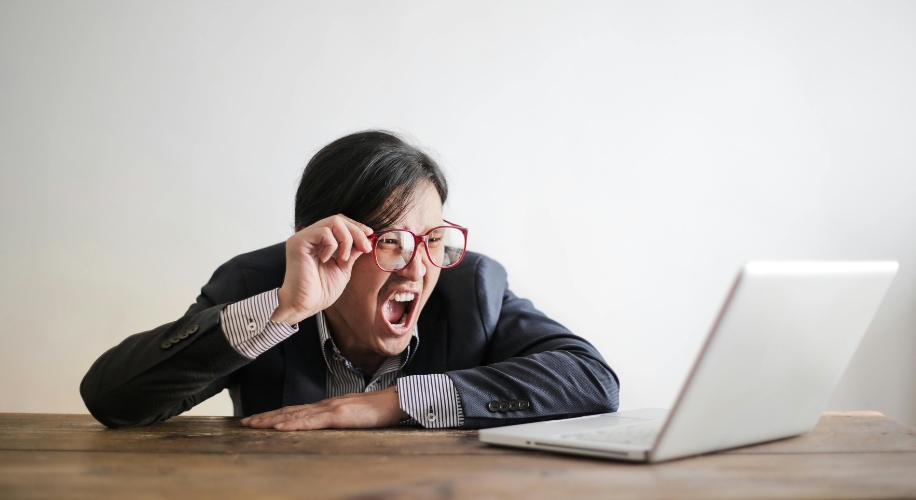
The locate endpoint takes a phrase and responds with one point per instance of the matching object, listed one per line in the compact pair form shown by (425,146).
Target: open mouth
(398,310)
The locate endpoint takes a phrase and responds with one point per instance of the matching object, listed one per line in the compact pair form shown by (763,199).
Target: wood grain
(225,435)
(848,455)
(34,474)
(845,432)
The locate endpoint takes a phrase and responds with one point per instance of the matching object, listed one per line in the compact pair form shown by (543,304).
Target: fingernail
(279,426)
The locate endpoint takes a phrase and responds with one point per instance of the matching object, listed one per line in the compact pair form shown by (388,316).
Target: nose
(416,270)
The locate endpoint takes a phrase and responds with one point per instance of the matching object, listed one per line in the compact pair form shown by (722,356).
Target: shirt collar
(328,348)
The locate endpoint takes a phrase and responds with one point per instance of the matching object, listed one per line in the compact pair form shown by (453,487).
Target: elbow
(93,401)
(100,407)
(609,388)
(612,391)
(613,402)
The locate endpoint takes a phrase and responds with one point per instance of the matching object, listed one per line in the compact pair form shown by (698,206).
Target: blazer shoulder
(262,269)
(475,272)
(478,283)
(265,259)
(247,275)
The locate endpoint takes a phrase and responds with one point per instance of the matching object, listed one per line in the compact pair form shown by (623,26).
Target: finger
(360,239)
(268,422)
(344,239)
(286,410)
(362,227)
(328,244)
(292,413)
(309,422)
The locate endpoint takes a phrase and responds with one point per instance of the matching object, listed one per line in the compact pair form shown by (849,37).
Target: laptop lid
(774,355)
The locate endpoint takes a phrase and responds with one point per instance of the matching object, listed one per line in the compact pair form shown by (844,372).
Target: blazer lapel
(306,374)
(432,352)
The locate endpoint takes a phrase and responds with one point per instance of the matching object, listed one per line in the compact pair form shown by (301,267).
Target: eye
(388,244)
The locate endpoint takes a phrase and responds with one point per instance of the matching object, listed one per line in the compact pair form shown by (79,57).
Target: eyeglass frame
(417,240)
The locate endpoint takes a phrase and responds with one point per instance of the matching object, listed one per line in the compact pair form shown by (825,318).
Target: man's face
(364,317)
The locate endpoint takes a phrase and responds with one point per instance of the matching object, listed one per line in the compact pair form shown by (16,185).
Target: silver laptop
(772,358)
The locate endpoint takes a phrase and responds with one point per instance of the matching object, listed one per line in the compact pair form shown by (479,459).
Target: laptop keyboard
(636,435)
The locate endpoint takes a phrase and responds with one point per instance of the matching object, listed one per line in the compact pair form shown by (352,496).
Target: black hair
(369,176)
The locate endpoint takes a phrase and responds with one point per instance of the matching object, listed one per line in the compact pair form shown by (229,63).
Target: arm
(533,358)
(154,375)
(528,356)
(148,378)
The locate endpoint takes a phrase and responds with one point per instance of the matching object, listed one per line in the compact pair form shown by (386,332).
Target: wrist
(285,316)
(284,313)
(400,414)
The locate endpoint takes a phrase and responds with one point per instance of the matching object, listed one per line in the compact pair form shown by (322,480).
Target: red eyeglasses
(395,249)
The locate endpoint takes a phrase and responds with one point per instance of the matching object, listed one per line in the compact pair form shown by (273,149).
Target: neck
(365,359)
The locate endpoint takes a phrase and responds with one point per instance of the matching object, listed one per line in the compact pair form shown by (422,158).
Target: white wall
(620,159)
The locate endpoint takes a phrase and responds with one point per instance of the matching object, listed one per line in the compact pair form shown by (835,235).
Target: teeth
(404,297)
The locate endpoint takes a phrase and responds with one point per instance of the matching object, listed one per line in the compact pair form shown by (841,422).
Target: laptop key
(640,434)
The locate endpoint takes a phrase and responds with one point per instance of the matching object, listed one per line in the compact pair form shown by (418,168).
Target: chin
(392,346)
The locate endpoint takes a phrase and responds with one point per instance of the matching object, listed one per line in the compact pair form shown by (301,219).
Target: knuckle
(306,419)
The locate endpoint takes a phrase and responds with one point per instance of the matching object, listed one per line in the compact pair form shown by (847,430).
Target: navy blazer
(493,345)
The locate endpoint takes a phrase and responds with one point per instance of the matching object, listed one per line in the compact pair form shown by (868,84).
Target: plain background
(622,160)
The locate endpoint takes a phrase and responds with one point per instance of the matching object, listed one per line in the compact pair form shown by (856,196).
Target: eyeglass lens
(394,249)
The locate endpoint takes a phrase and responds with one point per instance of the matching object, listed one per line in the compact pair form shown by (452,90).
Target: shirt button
(251,325)
(431,417)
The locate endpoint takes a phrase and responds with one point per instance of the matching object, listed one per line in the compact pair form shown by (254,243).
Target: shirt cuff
(248,327)
(431,400)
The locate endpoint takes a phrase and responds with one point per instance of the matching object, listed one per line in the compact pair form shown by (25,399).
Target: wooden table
(848,455)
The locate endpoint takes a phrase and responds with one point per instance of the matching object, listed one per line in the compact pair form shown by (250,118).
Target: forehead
(425,211)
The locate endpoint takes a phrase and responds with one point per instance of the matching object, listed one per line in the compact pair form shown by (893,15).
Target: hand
(364,409)
(319,259)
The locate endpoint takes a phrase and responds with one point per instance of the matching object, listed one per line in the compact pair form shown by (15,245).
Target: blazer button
(503,406)
(513,405)
(165,344)
(523,404)
(174,339)
(493,406)
(192,329)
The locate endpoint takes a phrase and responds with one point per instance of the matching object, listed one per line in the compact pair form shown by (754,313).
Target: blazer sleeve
(154,375)
(530,357)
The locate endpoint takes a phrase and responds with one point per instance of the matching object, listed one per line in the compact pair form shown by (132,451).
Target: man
(370,315)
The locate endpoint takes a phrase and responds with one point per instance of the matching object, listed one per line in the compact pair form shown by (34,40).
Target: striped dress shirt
(431,400)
